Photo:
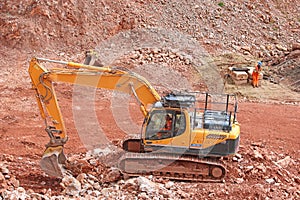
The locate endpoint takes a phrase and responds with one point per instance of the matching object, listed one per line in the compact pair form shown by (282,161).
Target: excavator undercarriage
(194,165)
(189,168)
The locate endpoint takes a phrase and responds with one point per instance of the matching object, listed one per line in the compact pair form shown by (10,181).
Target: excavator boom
(80,74)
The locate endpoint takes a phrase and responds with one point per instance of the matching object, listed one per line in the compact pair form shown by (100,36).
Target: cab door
(196,129)
(181,132)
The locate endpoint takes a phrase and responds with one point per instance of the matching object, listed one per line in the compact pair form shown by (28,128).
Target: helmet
(259,63)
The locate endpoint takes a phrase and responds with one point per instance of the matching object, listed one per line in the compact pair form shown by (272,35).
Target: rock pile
(152,55)
(273,175)
(285,68)
(279,171)
(257,28)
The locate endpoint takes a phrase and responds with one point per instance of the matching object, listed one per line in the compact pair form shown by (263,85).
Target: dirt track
(276,125)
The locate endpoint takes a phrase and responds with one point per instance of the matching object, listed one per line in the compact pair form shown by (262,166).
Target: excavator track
(188,168)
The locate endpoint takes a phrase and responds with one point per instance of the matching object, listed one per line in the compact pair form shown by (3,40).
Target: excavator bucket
(52,160)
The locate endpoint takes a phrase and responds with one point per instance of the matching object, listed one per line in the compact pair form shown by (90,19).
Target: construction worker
(168,125)
(255,74)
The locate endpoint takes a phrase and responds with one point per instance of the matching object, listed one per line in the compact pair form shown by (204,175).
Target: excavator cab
(196,127)
(161,128)
(183,138)
(168,124)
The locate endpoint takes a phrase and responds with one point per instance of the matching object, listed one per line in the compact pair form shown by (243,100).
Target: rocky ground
(168,42)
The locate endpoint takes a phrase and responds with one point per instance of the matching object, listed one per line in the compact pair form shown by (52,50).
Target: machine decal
(215,136)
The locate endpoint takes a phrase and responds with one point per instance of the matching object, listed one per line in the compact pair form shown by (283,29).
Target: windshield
(165,124)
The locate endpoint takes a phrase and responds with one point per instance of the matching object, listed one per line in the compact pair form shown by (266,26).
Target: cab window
(162,125)
(180,124)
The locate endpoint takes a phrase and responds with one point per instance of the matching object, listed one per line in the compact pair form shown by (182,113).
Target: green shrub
(221,4)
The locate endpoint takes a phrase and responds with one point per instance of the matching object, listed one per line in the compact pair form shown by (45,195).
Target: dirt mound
(30,24)
(286,68)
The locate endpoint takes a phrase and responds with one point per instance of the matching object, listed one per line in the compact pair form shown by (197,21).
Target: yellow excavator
(183,137)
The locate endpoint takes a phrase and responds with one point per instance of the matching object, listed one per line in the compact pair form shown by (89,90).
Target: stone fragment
(246,48)
(187,61)
(246,53)
(280,47)
(81,177)
(106,192)
(294,54)
(145,185)
(239,156)
(71,185)
(143,195)
(270,180)
(262,167)
(183,194)
(14,182)
(4,170)
(130,185)
(211,194)
(34,195)
(256,144)
(169,184)
(113,175)
(2,178)
(257,155)
(239,180)
(17,194)
(97,186)
(295,46)
(284,162)
(248,168)
(21,190)
(95,193)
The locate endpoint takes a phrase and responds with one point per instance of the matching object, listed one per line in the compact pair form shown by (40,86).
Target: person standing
(255,74)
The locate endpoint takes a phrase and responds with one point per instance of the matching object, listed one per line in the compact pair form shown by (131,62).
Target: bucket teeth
(62,158)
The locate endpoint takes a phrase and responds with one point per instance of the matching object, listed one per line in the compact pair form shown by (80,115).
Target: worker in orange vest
(168,125)
(255,74)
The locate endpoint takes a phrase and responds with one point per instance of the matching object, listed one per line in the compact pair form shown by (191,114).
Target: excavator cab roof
(178,100)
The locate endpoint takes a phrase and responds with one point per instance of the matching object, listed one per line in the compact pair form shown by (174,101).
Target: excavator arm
(75,73)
